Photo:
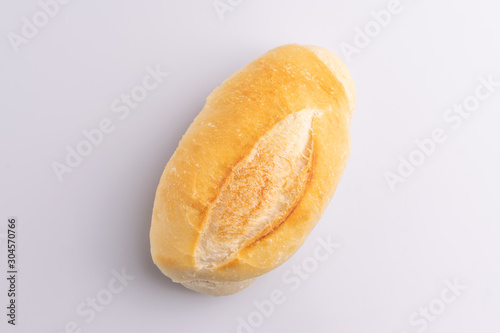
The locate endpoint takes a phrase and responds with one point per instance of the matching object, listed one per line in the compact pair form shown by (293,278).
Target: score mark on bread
(262,189)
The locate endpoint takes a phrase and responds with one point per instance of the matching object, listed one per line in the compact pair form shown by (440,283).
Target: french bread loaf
(255,170)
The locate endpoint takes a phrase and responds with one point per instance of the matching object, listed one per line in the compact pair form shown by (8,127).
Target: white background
(397,248)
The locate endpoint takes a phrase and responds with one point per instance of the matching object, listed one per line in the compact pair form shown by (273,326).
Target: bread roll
(254,171)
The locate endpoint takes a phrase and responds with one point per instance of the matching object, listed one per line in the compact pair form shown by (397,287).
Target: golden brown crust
(237,116)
